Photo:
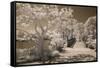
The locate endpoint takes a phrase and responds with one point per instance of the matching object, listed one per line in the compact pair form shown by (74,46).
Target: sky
(82,13)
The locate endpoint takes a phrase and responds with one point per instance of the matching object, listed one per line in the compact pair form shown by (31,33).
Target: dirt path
(76,51)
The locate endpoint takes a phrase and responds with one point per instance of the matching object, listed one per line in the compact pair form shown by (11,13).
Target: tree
(90,32)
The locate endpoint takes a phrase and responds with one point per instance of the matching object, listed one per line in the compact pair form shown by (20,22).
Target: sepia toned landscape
(47,34)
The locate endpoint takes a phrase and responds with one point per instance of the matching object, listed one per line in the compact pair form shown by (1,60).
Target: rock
(79,45)
(55,53)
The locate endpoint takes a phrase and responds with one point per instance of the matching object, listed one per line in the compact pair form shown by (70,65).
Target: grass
(24,44)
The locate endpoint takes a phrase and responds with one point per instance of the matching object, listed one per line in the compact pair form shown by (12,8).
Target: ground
(72,55)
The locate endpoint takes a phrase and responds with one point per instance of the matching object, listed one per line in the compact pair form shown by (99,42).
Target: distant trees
(90,32)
